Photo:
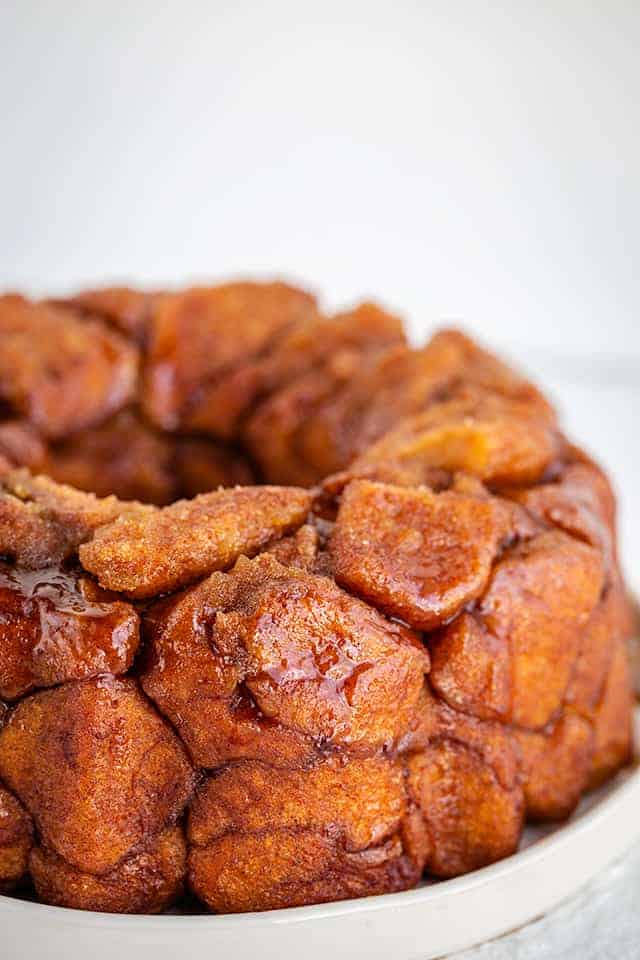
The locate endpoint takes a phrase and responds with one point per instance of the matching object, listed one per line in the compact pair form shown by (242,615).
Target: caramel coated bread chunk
(42,523)
(123,457)
(262,838)
(270,661)
(159,551)
(416,555)
(100,772)
(526,629)
(332,346)
(59,372)
(147,882)
(196,337)
(472,819)
(126,309)
(541,596)
(499,440)
(579,500)
(465,782)
(57,625)
(471,668)
(309,376)
(555,766)
(16,839)
(605,633)
(405,382)
(398,383)
(200,688)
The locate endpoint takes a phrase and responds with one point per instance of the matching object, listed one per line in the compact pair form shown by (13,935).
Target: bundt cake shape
(290,612)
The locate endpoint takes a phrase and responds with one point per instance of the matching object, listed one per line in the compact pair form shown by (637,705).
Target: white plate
(433,920)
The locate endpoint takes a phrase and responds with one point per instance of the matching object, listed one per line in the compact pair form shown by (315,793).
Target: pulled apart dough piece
(197,337)
(271,662)
(99,771)
(581,750)
(415,554)
(58,625)
(276,432)
(555,766)
(262,838)
(42,522)
(514,654)
(147,882)
(329,344)
(60,372)
(497,439)
(159,551)
(464,779)
(404,382)
(16,839)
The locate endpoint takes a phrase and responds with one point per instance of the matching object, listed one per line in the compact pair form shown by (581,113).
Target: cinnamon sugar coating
(151,552)
(43,523)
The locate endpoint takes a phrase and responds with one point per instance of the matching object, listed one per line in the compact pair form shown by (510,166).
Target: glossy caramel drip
(57,625)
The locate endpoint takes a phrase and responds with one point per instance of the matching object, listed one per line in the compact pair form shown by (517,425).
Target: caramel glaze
(57,625)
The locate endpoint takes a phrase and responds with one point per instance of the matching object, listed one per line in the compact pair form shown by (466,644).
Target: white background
(474,162)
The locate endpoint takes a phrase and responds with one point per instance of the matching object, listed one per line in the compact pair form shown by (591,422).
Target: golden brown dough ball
(60,372)
(148,881)
(273,662)
(96,767)
(197,337)
(427,555)
(16,838)
(58,625)
(464,776)
(150,552)
(262,838)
